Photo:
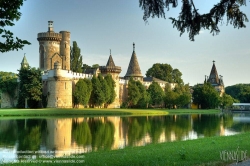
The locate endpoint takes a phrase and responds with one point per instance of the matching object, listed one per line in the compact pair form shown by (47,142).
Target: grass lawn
(203,151)
(98,112)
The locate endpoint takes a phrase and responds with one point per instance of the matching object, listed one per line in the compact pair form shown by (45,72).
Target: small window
(65,85)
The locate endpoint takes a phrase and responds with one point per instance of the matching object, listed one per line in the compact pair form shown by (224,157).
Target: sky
(98,26)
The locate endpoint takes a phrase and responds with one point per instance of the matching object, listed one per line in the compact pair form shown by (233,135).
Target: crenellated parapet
(49,36)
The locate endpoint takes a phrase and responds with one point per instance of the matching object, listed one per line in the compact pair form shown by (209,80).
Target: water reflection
(78,135)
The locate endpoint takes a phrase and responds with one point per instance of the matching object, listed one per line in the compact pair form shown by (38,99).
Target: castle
(59,81)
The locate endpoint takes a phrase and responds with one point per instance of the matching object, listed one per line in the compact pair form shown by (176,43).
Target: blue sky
(98,26)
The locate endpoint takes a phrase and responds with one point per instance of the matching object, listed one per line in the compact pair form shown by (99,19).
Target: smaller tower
(110,68)
(134,70)
(215,81)
(24,62)
(50,26)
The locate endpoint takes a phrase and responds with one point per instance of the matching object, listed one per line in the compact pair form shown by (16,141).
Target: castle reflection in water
(65,136)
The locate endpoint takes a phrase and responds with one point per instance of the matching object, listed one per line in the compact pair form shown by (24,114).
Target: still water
(65,136)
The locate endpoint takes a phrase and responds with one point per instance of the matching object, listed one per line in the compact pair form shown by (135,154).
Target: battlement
(49,36)
(66,74)
(113,69)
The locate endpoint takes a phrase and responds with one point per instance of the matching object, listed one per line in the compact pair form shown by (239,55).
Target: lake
(33,138)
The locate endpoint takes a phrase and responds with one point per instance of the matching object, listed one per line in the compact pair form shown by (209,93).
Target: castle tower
(59,88)
(110,68)
(215,80)
(54,47)
(24,62)
(134,68)
(213,77)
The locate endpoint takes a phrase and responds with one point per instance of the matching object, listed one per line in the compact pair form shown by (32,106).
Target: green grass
(97,112)
(203,151)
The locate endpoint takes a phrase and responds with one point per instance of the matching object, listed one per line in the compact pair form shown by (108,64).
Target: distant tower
(215,80)
(110,68)
(54,47)
(24,62)
(134,70)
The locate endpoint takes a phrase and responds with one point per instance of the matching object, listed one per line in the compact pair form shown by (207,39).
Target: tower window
(65,45)
(65,85)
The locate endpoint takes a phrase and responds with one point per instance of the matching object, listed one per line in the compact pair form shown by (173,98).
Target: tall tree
(111,84)
(144,96)
(170,97)
(30,87)
(9,13)
(206,96)
(190,20)
(133,93)
(165,72)
(97,96)
(75,58)
(156,94)
(106,90)
(183,95)
(82,92)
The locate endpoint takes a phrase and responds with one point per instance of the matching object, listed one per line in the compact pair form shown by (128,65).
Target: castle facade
(59,81)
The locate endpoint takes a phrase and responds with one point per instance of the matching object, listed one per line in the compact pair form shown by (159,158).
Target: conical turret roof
(24,62)
(213,77)
(110,61)
(133,68)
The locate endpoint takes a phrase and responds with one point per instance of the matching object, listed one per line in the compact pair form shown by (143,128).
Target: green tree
(240,92)
(84,67)
(9,13)
(111,85)
(30,87)
(95,66)
(144,96)
(106,90)
(8,85)
(97,96)
(82,92)
(75,58)
(206,96)
(183,95)
(156,94)
(165,72)
(227,101)
(133,93)
(170,97)
(176,76)
(191,20)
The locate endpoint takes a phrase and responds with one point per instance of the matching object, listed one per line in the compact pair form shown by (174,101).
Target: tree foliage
(97,96)
(156,94)
(137,94)
(9,13)
(191,20)
(240,92)
(82,92)
(75,58)
(206,96)
(8,85)
(227,101)
(30,87)
(110,98)
(165,72)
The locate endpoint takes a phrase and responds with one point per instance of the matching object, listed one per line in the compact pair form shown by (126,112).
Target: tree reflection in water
(104,133)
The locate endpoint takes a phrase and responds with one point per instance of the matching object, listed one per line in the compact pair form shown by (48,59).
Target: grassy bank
(204,151)
(102,112)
